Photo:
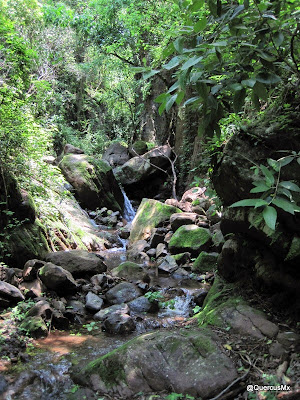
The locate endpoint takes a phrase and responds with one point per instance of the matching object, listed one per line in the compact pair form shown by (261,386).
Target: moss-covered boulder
(35,327)
(189,362)
(205,262)
(138,148)
(93,181)
(131,271)
(190,238)
(150,214)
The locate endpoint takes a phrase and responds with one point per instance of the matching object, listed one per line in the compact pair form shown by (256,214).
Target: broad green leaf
(162,97)
(220,43)
(192,100)
(170,102)
(273,163)
(261,202)
(255,100)
(285,160)
(212,5)
(237,11)
(239,100)
(172,63)
(180,97)
(284,204)
(260,189)
(178,44)
(197,4)
(236,86)
(246,203)
(200,25)
(248,82)
(270,217)
(278,38)
(203,90)
(149,74)
(266,56)
(258,182)
(191,62)
(174,87)
(168,50)
(268,78)
(268,174)
(285,192)
(290,185)
(215,89)
(162,108)
(260,90)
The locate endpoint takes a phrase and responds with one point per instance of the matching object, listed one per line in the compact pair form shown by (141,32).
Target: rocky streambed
(154,321)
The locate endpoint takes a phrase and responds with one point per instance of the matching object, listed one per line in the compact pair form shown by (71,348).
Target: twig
(241,378)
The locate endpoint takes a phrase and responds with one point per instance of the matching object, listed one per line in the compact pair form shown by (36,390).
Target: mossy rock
(35,327)
(138,148)
(205,262)
(153,362)
(190,238)
(93,181)
(130,271)
(150,214)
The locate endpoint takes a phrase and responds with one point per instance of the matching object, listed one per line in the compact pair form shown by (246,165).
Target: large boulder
(150,214)
(131,271)
(93,181)
(78,262)
(57,278)
(116,154)
(123,293)
(189,362)
(140,168)
(190,238)
(10,293)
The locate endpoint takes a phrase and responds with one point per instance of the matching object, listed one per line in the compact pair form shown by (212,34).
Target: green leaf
(180,97)
(149,74)
(270,217)
(260,189)
(285,160)
(168,50)
(260,90)
(246,203)
(239,100)
(290,185)
(191,62)
(274,164)
(197,5)
(261,202)
(284,204)
(203,90)
(248,82)
(162,108)
(170,102)
(178,44)
(268,78)
(220,43)
(174,87)
(162,97)
(200,25)
(285,192)
(192,100)
(268,174)
(172,63)
(278,38)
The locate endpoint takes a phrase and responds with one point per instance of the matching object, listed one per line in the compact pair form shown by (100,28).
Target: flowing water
(128,211)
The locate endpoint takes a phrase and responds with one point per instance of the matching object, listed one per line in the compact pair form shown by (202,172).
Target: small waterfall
(128,212)
(181,306)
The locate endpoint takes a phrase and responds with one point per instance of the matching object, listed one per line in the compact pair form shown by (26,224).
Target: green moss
(220,296)
(34,326)
(205,262)
(190,238)
(150,214)
(140,147)
(294,250)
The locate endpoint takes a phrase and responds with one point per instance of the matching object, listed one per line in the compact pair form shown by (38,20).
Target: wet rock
(99,280)
(116,308)
(167,265)
(76,307)
(124,232)
(190,238)
(10,293)
(131,271)
(199,296)
(180,273)
(156,238)
(32,289)
(205,262)
(93,181)
(182,258)
(189,362)
(151,253)
(123,293)
(116,154)
(118,323)
(57,278)
(150,214)
(78,262)
(3,384)
(142,305)
(30,269)
(59,321)
(35,327)
(93,303)
(59,305)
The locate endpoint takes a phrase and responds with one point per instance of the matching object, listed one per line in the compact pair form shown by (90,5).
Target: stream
(46,373)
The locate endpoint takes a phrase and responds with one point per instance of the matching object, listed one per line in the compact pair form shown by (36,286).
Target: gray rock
(116,154)
(131,271)
(167,265)
(30,269)
(123,293)
(189,362)
(117,308)
(41,309)
(32,289)
(10,292)
(179,219)
(161,250)
(93,303)
(57,278)
(78,262)
(118,323)
(141,305)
